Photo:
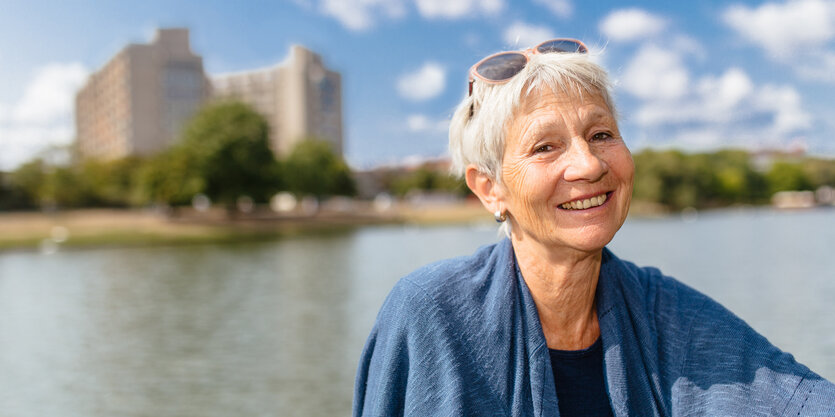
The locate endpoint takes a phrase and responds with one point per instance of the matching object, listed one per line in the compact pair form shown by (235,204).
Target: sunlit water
(275,329)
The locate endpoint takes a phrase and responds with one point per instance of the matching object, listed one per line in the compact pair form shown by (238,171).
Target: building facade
(139,101)
(300,99)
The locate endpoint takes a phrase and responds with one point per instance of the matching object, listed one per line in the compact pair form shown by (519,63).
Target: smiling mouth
(587,203)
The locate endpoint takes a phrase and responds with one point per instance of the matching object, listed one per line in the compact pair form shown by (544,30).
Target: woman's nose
(583,164)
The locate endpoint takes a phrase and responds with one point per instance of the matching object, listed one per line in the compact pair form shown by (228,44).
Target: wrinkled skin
(561,148)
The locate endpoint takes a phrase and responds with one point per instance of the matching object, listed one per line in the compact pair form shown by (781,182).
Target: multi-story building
(138,102)
(300,98)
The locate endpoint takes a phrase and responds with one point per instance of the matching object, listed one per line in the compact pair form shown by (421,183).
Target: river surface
(276,328)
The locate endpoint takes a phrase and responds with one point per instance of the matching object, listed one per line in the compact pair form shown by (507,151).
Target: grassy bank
(95,228)
(99,228)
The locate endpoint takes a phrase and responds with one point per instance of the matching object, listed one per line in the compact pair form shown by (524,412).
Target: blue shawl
(462,337)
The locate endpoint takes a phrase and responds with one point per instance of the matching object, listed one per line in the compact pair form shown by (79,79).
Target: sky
(693,75)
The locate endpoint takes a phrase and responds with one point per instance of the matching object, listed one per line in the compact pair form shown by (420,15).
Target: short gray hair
(477,130)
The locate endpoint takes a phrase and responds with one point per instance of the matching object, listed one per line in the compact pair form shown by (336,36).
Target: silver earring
(500,216)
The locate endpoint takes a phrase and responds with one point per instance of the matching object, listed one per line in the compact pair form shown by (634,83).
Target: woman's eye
(601,136)
(543,148)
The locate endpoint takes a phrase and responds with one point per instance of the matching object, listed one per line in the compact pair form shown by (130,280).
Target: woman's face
(566,172)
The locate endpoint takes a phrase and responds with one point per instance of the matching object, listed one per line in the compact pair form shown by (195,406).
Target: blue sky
(690,75)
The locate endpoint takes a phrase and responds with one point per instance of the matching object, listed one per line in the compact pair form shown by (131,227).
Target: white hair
(478,128)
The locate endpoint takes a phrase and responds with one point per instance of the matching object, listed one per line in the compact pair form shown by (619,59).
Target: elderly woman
(549,322)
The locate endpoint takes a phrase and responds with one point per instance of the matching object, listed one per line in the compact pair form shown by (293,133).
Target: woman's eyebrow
(550,125)
(539,128)
(598,114)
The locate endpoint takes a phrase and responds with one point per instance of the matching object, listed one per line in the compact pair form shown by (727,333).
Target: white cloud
(425,83)
(713,100)
(785,103)
(725,92)
(676,108)
(43,117)
(816,65)
(454,9)
(797,33)
(687,45)
(783,28)
(656,73)
(419,123)
(560,8)
(628,25)
(725,110)
(19,144)
(520,34)
(51,95)
(361,14)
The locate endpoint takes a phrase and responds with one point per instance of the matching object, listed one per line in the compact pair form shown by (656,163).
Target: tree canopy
(312,168)
(226,147)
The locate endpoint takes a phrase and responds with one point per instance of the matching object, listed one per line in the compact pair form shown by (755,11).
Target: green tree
(312,168)
(678,180)
(168,178)
(226,154)
(52,186)
(29,179)
(820,171)
(736,181)
(12,197)
(787,176)
(64,187)
(426,178)
(659,177)
(111,183)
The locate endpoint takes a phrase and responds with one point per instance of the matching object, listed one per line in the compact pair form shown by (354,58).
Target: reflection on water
(276,328)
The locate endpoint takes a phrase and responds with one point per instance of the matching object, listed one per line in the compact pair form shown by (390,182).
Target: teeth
(584,204)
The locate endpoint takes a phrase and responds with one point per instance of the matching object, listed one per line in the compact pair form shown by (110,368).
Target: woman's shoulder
(443,326)
(675,313)
(710,358)
(668,299)
(451,286)
(702,344)
(655,288)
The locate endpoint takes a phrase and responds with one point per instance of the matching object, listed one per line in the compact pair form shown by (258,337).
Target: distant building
(371,183)
(300,99)
(138,102)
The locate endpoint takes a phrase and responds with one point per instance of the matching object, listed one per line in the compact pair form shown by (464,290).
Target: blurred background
(204,204)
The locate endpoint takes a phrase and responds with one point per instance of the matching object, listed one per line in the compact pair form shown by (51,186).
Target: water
(276,328)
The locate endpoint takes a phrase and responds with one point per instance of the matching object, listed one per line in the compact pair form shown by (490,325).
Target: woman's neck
(563,286)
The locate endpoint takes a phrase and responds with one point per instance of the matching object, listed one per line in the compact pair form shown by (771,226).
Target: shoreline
(96,228)
(88,228)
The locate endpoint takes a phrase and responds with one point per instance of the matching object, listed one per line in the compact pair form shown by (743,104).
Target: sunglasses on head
(501,67)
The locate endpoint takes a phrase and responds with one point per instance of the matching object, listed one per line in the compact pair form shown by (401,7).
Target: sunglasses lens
(501,67)
(561,46)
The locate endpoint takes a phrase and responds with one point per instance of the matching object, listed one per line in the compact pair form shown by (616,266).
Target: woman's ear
(485,188)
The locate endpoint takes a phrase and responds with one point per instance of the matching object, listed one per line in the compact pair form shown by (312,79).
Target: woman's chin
(588,245)
(587,240)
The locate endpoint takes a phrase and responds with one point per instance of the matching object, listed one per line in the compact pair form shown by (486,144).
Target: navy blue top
(581,387)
